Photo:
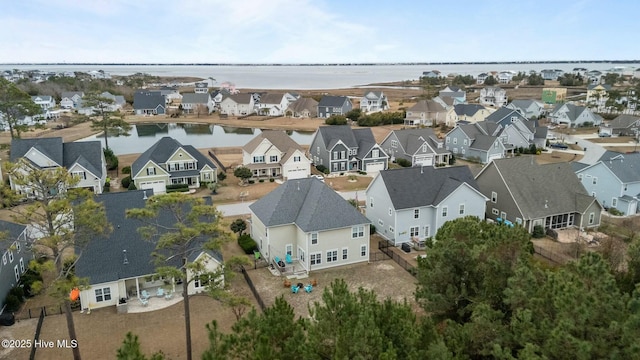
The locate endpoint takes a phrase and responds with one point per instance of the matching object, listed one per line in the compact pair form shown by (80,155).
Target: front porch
(261,171)
(136,305)
(191,181)
(148,294)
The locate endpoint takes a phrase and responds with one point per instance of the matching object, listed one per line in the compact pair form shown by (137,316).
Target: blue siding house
(334,105)
(15,256)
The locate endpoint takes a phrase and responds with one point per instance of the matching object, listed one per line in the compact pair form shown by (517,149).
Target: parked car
(603,134)
(551,136)
(562,146)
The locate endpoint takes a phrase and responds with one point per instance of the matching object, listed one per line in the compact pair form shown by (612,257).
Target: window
(495,211)
(380,222)
(357,232)
(206,176)
(288,249)
(414,231)
(332,256)
(625,187)
(314,238)
(17,246)
(391,229)
(335,166)
(296,159)
(595,180)
(16,272)
(447,140)
(258,159)
(151,171)
(4,259)
(10,256)
(503,215)
(424,147)
(518,221)
(345,253)
(614,202)
(580,177)
(343,154)
(363,250)
(273,158)
(390,212)
(444,211)
(315,258)
(371,202)
(375,153)
(494,197)
(21,266)
(200,282)
(416,213)
(464,141)
(335,155)
(80,175)
(455,141)
(461,209)
(103,294)
(592,218)
(394,143)
(426,231)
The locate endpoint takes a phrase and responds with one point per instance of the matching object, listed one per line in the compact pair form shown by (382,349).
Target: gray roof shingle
(13,231)
(309,204)
(86,153)
(333,101)
(147,100)
(160,152)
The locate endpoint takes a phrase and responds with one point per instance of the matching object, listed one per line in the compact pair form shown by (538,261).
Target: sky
(316,31)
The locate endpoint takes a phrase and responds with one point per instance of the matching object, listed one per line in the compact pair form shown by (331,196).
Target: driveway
(593,151)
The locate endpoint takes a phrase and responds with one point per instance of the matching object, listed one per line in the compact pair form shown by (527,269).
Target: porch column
(137,288)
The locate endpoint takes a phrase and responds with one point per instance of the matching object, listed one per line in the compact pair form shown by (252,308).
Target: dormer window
(375,153)
(151,171)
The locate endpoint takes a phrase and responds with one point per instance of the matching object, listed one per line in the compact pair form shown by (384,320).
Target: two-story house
(625,125)
(340,148)
(15,256)
(149,103)
(409,205)
(201,88)
(45,102)
(169,162)
(528,194)
(374,101)
(197,103)
(453,92)
(614,180)
(530,109)
(274,154)
(597,95)
(238,105)
(425,112)
(493,96)
(303,108)
(574,116)
(71,99)
(477,141)
(481,78)
(467,113)
(551,74)
(273,104)
(334,105)
(308,223)
(83,159)
(419,146)
(517,131)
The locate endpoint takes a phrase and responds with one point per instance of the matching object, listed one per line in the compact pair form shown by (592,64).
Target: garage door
(424,160)
(296,174)
(158,187)
(374,167)
(494,156)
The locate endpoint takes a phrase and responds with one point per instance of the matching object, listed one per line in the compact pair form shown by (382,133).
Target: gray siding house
(478,141)
(614,180)
(522,192)
(409,205)
(530,109)
(15,256)
(334,105)
(149,103)
(518,131)
(340,148)
(574,115)
(420,146)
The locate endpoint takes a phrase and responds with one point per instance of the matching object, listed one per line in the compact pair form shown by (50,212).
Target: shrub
(177,186)
(132,186)
(111,159)
(326,171)
(222,176)
(252,182)
(272,180)
(18,292)
(336,120)
(403,162)
(126,170)
(261,180)
(538,231)
(372,229)
(615,212)
(247,243)
(12,303)
(321,168)
(125,182)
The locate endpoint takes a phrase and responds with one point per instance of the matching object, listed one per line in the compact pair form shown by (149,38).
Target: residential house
(15,256)
(122,264)
(117,103)
(45,102)
(614,180)
(467,113)
(303,108)
(170,93)
(238,104)
(168,162)
(431,74)
(504,77)
(99,74)
(425,112)
(528,194)
(201,88)
(307,224)
(409,205)
(83,159)
(594,77)
(530,109)
(149,103)
(273,154)
(334,105)
(574,116)
(625,125)
(636,73)
(374,101)
(476,141)
(419,146)
(454,92)
(597,95)
(493,96)
(481,78)
(340,148)
(201,103)
(579,71)
(447,102)
(273,104)
(551,74)
(554,95)
(71,99)
(517,131)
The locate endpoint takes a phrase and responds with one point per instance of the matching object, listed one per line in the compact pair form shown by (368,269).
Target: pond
(143,136)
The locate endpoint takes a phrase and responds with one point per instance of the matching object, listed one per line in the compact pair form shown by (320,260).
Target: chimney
(125,261)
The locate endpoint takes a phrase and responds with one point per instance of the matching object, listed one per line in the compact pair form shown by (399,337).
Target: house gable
(159,171)
(40,159)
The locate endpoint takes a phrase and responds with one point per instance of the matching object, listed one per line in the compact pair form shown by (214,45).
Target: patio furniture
(294,289)
(287,259)
(144,302)
(160,292)
(314,282)
(145,295)
(287,282)
(168,295)
(308,288)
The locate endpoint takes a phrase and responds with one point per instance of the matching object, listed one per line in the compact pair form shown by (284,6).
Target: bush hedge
(126,170)
(403,162)
(125,182)
(177,186)
(321,168)
(222,176)
(538,232)
(247,243)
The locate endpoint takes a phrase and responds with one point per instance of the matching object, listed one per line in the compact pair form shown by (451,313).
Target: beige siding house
(273,154)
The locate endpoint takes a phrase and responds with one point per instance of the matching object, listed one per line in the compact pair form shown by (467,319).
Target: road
(593,150)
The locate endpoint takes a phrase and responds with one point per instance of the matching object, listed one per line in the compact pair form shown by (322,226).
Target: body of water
(308,77)
(143,136)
